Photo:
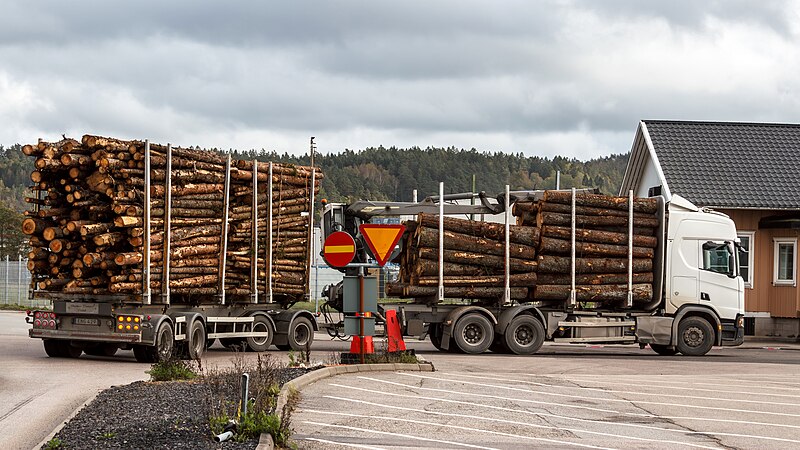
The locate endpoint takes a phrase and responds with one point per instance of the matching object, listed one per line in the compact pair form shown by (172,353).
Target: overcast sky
(569,78)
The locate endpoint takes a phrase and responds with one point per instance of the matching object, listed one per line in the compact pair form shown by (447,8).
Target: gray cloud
(560,77)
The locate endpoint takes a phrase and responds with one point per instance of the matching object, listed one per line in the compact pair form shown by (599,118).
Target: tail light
(128,324)
(45,319)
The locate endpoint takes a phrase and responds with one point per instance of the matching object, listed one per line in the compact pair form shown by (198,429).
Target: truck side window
(717,257)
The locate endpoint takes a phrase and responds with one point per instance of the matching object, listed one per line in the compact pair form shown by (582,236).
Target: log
(600,237)
(478,259)
(518,234)
(34,226)
(640,205)
(594,279)
(428,237)
(593,293)
(552,218)
(457,292)
(516,280)
(590,211)
(555,246)
(562,264)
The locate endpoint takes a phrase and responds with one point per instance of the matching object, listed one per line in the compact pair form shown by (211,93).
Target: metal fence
(15,280)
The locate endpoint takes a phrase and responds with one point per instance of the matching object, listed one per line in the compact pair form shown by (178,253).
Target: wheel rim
(257,328)
(524,335)
(473,334)
(164,344)
(301,334)
(693,337)
(198,340)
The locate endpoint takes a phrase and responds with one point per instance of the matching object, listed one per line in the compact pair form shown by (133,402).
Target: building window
(746,257)
(785,268)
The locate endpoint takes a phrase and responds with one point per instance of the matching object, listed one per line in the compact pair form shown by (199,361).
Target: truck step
(625,323)
(601,339)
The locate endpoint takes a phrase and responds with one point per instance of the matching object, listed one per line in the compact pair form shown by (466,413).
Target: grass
(13,307)
(54,444)
(172,370)
(224,404)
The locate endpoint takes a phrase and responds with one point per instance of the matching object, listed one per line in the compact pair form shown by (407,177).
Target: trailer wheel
(524,335)
(473,333)
(68,350)
(261,344)
(53,348)
(161,351)
(664,350)
(101,350)
(197,340)
(695,336)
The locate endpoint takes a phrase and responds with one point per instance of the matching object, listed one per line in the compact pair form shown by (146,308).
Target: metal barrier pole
(19,280)
(5,291)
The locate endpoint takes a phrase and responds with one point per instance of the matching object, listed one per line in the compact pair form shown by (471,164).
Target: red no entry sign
(339,249)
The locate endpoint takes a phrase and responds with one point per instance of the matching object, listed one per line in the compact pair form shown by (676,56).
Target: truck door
(684,269)
(718,284)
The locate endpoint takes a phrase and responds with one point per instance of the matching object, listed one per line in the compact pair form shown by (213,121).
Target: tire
(435,333)
(473,333)
(68,350)
(261,344)
(695,336)
(163,348)
(101,350)
(196,340)
(300,334)
(664,350)
(524,335)
(53,348)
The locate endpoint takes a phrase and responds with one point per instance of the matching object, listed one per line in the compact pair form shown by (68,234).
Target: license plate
(85,321)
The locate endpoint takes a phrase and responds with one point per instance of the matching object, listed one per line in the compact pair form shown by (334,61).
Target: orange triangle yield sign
(381,239)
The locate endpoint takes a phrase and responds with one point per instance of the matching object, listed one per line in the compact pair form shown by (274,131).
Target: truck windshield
(717,257)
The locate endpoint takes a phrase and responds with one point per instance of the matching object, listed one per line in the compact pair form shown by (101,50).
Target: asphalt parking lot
(595,397)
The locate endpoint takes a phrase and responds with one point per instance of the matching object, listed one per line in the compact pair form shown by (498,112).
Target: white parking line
(518,423)
(728,381)
(749,411)
(558,416)
(343,444)
(612,391)
(366,430)
(661,385)
(441,425)
(565,405)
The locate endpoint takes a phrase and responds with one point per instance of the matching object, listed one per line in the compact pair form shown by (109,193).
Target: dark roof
(729,164)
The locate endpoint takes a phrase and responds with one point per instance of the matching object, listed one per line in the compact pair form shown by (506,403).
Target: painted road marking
(611,391)
(660,385)
(365,430)
(343,444)
(558,416)
(516,422)
(565,405)
(442,425)
(602,399)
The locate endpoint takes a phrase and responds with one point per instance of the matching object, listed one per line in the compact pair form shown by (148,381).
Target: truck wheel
(101,350)
(261,344)
(300,334)
(524,335)
(664,350)
(68,350)
(695,336)
(197,340)
(473,333)
(53,348)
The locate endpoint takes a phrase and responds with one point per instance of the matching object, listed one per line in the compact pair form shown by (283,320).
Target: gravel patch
(151,415)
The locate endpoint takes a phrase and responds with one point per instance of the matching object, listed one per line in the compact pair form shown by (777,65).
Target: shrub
(171,370)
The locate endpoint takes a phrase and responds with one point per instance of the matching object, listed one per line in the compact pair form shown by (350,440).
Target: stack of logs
(88,237)
(540,253)
(474,259)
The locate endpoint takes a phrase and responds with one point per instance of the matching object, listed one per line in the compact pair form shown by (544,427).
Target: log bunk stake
(613,258)
(104,207)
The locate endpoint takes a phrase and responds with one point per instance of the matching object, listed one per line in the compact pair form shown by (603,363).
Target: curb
(67,419)
(327,372)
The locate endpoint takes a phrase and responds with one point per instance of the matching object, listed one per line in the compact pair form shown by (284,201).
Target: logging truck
(573,267)
(163,249)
